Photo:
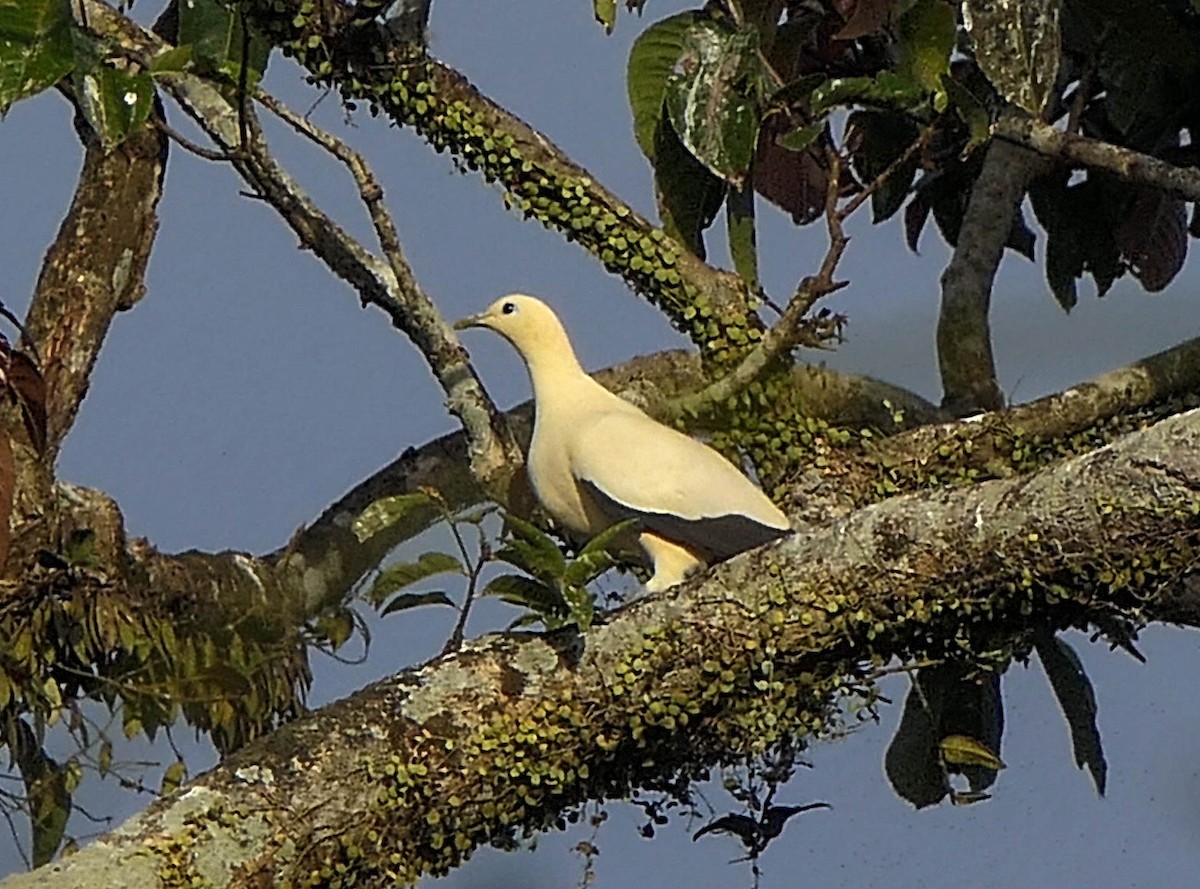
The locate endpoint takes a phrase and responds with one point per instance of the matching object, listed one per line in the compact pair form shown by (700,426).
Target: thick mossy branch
(515,729)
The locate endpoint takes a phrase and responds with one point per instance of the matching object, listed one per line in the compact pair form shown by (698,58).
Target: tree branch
(95,267)
(516,728)
(964,338)
(1081,151)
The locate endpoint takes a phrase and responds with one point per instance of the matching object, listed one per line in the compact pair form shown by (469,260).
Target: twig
(208,154)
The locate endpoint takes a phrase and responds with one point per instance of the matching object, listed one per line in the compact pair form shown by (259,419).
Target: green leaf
(36,47)
(581,606)
(886,89)
(689,196)
(1017,45)
(173,777)
(926,35)
(404,601)
(713,98)
(214,31)
(1077,699)
(973,111)
(962,750)
(115,103)
(652,58)
(801,138)
(517,590)
(606,13)
(175,60)
(404,574)
(594,559)
(382,514)
(743,237)
(532,550)
(48,799)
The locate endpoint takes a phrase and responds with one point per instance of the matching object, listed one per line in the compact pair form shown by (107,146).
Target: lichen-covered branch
(964,338)
(409,775)
(95,267)
(366,63)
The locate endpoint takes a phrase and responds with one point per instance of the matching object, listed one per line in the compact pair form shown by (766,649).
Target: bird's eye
(508,308)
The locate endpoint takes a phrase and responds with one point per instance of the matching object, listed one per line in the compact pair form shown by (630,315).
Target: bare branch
(964,338)
(1081,151)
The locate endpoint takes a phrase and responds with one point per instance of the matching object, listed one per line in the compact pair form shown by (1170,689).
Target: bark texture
(410,774)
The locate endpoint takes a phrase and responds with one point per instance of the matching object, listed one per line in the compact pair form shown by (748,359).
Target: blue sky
(248,390)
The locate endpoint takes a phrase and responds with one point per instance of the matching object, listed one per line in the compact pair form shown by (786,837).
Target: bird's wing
(634,467)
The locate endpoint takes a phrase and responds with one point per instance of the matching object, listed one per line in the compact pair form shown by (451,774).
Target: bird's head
(525,321)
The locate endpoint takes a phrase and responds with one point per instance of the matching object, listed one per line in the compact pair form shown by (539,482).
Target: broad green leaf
(926,34)
(36,47)
(214,31)
(799,91)
(713,98)
(743,237)
(175,60)
(517,590)
(606,13)
(1077,699)
(961,750)
(48,799)
(532,550)
(1017,45)
(404,574)
(404,601)
(886,89)
(689,196)
(652,58)
(880,138)
(384,513)
(115,103)
(594,559)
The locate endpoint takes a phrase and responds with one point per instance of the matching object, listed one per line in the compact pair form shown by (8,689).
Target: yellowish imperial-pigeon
(595,459)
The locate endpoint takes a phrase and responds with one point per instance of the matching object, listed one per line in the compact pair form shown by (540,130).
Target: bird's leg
(672,562)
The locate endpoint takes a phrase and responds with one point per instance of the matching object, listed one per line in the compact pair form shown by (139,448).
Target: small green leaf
(404,601)
(173,776)
(800,138)
(606,13)
(403,574)
(382,514)
(961,750)
(886,89)
(517,590)
(652,58)
(36,47)
(532,550)
(175,60)
(927,34)
(743,236)
(594,559)
(115,103)
(581,606)
(105,757)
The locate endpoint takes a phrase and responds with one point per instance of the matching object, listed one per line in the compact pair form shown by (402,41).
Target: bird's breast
(555,486)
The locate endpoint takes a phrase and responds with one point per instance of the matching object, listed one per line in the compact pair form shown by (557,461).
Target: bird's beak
(479,320)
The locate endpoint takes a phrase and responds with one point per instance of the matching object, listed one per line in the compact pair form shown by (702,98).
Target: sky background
(249,390)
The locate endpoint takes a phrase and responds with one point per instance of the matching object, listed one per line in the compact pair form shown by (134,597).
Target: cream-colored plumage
(595,459)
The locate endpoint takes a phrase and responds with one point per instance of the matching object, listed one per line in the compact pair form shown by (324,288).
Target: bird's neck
(554,371)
